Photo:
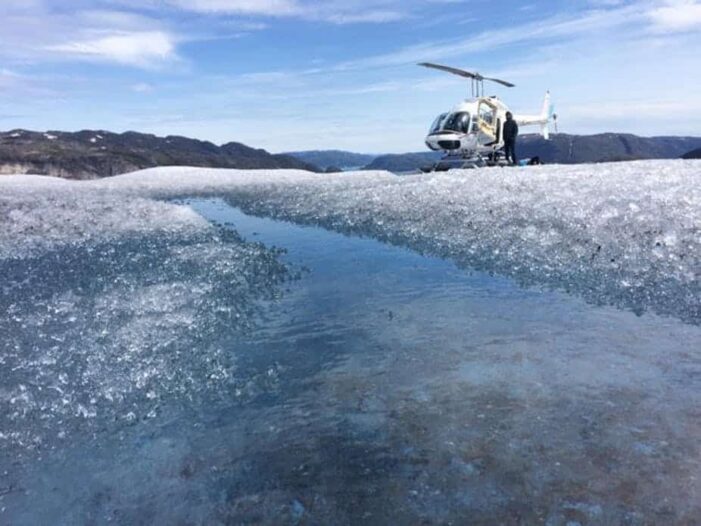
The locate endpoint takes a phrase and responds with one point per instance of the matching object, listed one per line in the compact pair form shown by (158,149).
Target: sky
(341,74)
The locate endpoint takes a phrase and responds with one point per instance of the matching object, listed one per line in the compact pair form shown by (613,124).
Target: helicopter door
(487,116)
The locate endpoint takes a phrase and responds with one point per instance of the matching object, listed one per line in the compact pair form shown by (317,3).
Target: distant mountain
(326,159)
(403,162)
(94,154)
(605,147)
(694,154)
(566,149)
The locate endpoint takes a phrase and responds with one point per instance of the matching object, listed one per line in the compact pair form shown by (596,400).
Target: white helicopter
(471,134)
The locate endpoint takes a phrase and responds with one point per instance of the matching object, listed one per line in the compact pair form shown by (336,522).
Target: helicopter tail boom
(547,115)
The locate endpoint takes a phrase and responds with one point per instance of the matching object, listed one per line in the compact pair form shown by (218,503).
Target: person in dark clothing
(510,134)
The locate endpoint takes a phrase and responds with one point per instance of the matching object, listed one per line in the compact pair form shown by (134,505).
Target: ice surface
(623,233)
(41,213)
(626,234)
(111,306)
(139,385)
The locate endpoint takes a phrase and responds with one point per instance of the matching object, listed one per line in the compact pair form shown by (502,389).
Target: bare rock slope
(96,154)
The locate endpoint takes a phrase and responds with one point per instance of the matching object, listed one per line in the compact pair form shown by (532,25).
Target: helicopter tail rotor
(548,116)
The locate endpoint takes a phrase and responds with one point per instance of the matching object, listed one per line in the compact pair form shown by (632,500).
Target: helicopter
(471,134)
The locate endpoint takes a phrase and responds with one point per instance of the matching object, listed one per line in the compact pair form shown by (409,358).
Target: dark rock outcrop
(693,154)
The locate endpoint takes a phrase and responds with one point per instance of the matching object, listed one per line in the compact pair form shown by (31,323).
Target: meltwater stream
(380,386)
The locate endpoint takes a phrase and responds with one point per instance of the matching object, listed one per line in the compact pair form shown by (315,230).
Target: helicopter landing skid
(471,162)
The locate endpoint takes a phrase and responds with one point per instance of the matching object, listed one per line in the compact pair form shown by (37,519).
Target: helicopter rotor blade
(465,74)
(502,82)
(454,71)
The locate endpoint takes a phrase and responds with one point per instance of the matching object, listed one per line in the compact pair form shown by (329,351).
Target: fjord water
(374,385)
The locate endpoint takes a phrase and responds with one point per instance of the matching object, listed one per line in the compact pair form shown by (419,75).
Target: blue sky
(312,74)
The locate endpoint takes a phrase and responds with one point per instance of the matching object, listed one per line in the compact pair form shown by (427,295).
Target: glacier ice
(108,285)
(626,234)
(99,332)
(139,381)
(619,233)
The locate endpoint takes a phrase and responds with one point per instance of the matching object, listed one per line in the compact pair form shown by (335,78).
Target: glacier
(160,353)
(626,234)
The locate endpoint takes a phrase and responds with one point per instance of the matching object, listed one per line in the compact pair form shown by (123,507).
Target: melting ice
(118,300)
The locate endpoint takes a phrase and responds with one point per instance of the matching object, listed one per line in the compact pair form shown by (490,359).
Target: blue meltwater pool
(270,373)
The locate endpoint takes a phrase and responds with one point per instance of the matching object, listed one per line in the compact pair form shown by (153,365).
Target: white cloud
(137,49)
(333,11)
(256,7)
(556,27)
(372,17)
(36,31)
(676,16)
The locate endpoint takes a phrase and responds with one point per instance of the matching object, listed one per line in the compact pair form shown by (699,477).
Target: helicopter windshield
(457,122)
(436,126)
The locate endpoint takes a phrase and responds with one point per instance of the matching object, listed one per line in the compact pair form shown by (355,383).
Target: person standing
(510,134)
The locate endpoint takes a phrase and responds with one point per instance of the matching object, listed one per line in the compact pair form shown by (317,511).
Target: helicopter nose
(444,141)
(449,144)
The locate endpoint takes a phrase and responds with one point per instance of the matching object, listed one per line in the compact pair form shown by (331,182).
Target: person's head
(509,116)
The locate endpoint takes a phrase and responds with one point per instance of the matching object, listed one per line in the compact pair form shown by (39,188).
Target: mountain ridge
(561,149)
(93,154)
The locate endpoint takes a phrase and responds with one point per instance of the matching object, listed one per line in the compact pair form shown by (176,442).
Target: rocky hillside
(94,154)
(605,147)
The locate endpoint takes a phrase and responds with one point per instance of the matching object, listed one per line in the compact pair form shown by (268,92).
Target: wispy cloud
(333,11)
(255,7)
(676,16)
(143,49)
(553,28)
(37,31)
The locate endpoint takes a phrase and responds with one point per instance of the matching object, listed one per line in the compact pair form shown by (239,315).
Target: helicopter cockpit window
(436,126)
(486,114)
(458,122)
(475,128)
